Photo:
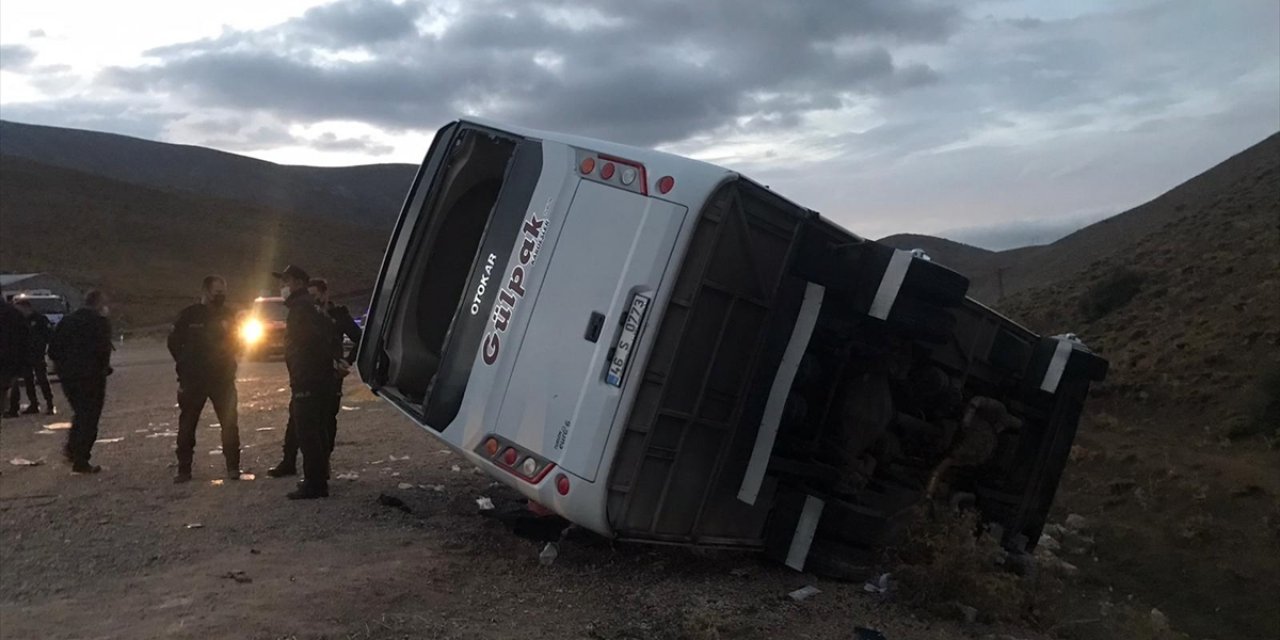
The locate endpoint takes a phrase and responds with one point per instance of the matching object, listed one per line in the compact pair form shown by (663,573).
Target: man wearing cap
(309,356)
(343,324)
(204,349)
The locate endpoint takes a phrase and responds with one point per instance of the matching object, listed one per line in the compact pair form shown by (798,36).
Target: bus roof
(698,177)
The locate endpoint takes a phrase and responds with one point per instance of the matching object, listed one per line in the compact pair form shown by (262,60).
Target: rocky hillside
(149,248)
(368,195)
(1177,460)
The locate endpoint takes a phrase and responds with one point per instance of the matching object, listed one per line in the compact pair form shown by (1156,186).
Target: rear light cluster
(518,462)
(618,172)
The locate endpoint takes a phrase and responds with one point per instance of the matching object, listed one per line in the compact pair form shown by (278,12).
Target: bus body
(660,349)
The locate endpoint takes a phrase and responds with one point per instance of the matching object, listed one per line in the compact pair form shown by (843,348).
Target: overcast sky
(995,123)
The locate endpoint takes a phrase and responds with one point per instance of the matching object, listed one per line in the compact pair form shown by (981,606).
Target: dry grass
(948,559)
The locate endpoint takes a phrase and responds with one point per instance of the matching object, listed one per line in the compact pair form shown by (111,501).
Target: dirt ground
(128,554)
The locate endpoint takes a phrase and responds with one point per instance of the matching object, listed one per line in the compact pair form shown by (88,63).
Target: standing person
(344,325)
(204,349)
(81,348)
(309,356)
(39,330)
(13,344)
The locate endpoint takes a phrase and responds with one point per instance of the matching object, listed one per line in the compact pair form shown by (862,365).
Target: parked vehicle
(51,305)
(262,328)
(663,350)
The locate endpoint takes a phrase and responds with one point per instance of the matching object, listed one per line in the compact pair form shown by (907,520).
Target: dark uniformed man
(81,349)
(204,347)
(34,372)
(13,344)
(345,325)
(309,356)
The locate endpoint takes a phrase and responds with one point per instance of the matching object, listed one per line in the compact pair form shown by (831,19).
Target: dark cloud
(16,57)
(131,118)
(641,72)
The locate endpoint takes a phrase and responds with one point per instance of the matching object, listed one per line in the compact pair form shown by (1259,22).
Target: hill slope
(367,194)
(1038,266)
(150,248)
(1177,459)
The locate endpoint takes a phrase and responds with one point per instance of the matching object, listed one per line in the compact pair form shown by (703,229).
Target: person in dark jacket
(81,349)
(35,372)
(204,349)
(343,324)
(309,356)
(13,344)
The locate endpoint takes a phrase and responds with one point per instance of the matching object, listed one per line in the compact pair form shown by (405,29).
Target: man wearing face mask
(204,347)
(313,366)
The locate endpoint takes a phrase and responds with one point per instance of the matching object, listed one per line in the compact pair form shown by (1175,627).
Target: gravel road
(128,554)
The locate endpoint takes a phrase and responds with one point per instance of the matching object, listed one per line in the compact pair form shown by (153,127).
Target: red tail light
(514,459)
(666,183)
(562,484)
(588,165)
(607,170)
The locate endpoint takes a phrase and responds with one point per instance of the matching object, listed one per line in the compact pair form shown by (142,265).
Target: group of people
(205,347)
(31,343)
(80,347)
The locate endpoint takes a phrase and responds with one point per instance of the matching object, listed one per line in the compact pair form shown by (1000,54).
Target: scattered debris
(195,525)
(867,633)
(879,585)
(1048,542)
(393,502)
(164,434)
(254,552)
(217,482)
(238,576)
(1076,522)
(404,485)
(395,458)
(444,451)
(804,593)
(438,488)
(484,503)
(108,440)
(46,432)
(265,429)
(248,476)
(216,452)
(142,431)
(967,613)
(456,469)
(215,425)
(346,408)
(549,552)
(477,471)
(58,426)
(23,462)
(350,475)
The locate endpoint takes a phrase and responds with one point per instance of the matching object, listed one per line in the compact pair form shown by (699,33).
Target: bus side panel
(693,424)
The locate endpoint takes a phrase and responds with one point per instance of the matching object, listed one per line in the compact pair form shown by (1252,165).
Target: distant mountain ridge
(370,195)
(998,274)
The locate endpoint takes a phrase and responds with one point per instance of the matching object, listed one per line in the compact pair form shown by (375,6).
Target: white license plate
(627,341)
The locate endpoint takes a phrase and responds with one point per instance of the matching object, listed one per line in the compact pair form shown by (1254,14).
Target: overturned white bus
(660,349)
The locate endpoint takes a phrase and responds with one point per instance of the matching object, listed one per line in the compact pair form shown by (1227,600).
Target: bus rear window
(473,211)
